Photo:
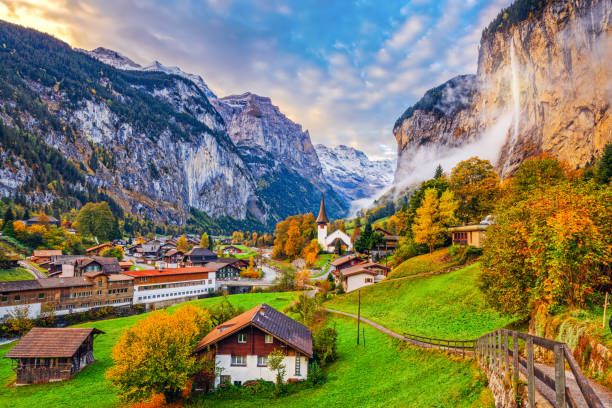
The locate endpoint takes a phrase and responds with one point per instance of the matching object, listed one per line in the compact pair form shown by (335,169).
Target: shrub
(316,375)
(324,345)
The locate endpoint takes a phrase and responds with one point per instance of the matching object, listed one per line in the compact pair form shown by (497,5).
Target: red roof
(168,271)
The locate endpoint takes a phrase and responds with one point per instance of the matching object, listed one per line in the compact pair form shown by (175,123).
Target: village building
(199,256)
(328,242)
(360,275)
(126,265)
(52,354)
(95,264)
(233,250)
(241,346)
(56,265)
(97,250)
(40,256)
(149,253)
(159,288)
(224,270)
(63,295)
(36,221)
(345,262)
(173,257)
(387,245)
(473,234)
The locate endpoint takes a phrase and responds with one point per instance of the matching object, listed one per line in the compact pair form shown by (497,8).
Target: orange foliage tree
(292,235)
(310,252)
(301,279)
(551,244)
(155,356)
(476,187)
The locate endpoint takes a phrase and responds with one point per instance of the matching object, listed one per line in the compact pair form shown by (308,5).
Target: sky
(345,70)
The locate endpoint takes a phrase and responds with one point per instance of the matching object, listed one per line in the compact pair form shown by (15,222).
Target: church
(328,242)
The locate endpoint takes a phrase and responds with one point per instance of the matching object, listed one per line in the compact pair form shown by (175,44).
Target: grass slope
(89,388)
(385,373)
(435,261)
(15,274)
(448,306)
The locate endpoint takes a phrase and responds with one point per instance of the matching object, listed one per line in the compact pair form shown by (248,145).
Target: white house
(328,243)
(241,346)
(360,275)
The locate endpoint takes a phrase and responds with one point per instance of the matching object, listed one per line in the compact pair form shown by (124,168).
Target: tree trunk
(172,395)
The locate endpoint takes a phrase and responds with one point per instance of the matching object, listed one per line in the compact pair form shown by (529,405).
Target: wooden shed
(52,354)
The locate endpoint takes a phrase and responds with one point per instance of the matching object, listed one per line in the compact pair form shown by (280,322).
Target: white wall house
(239,369)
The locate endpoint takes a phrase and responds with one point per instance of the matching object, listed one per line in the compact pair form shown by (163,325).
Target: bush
(316,375)
(324,345)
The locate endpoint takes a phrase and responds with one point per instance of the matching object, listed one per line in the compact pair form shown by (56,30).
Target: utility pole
(358,313)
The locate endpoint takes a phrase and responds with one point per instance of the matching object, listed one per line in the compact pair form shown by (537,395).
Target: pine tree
(439,172)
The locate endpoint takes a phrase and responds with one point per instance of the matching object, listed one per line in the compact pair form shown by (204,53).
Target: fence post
(506,364)
(515,357)
(500,357)
(559,376)
(530,374)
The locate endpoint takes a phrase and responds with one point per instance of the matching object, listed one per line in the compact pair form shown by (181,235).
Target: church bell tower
(322,225)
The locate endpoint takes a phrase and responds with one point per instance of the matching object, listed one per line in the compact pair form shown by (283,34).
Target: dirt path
(37,274)
(604,394)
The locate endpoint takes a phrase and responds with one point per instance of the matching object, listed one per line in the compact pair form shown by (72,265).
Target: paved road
(604,394)
(37,274)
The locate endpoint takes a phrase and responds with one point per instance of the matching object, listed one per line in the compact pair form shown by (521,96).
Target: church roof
(322,218)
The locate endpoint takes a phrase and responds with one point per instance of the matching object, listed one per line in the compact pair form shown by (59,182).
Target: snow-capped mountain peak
(352,174)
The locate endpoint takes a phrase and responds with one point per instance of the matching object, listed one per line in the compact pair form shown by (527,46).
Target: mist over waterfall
(516,97)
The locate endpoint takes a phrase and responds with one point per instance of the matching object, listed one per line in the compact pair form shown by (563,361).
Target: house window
(262,361)
(298,362)
(5,298)
(99,292)
(238,361)
(268,339)
(242,338)
(41,295)
(17,297)
(237,383)
(225,379)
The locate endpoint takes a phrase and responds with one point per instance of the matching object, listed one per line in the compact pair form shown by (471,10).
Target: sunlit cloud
(345,71)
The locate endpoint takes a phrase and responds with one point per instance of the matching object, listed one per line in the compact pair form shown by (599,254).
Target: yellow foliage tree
(292,245)
(237,237)
(141,240)
(156,355)
(301,279)
(205,241)
(182,244)
(476,187)
(432,218)
(310,252)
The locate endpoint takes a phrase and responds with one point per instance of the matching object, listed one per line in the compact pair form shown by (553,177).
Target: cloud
(344,71)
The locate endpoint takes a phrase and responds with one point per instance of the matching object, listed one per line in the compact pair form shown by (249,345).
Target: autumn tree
(96,220)
(549,247)
(43,219)
(305,307)
(292,235)
(275,363)
(250,272)
(155,356)
(204,241)
(114,252)
(355,234)
(301,279)
(476,187)
(182,245)
(433,217)
(311,252)
(237,237)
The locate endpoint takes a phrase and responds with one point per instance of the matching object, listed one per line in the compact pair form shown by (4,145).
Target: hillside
(75,129)
(542,85)
(448,306)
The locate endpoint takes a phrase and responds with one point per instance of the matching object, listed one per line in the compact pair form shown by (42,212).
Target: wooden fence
(494,350)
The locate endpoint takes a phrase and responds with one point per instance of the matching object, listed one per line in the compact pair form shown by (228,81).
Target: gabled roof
(46,252)
(13,286)
(66,282)
(344,259)
(51,342)
(95,248)
(364,267)
(169,271)
(199,251)
(215,266)
(322,218)
(269,320)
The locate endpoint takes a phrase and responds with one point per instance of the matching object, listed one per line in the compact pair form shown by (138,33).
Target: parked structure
(155,288)
(241,346)
(51,354)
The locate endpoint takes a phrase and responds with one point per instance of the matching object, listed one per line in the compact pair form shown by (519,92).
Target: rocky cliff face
(353,174)
(544,84)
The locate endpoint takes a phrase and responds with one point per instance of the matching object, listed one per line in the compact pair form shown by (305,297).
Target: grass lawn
(448,306)
(247,251)
(322,260)
(15,274)
(89,388)
(385,373)
(437,260)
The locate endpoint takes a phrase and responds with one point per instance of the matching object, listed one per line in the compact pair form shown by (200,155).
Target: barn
(52,354)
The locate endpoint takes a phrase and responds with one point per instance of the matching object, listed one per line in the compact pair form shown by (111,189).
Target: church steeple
(322,218)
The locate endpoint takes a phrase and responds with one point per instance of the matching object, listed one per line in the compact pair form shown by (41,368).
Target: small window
(100,282)
(237,383)
(298,362)
(238,361)
(262,361)
(41,295)
(5,298)
(242,338)
(268,339)
(17,297)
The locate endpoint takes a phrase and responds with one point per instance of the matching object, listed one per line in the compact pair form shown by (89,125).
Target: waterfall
(516,98)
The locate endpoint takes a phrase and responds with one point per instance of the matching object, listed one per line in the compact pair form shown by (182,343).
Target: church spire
(322,218)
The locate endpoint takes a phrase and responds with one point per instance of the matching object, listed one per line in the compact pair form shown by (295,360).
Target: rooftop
(169,271)
(51,342)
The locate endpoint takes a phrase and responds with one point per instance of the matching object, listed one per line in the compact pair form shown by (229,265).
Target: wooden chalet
(173,256)
(240,346)
(346,262)
(36,221)
(52,354)
(232,250)
(199,256)
(95,264)
(224,270)
(97,250)
(473,234)
(40,256)
(126,265)
(360,275)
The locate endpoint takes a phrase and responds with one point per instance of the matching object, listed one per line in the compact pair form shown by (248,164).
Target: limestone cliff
(544,84)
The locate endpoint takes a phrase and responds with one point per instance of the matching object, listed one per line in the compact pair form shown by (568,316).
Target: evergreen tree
(9,215)
(439,172)
(604,169)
